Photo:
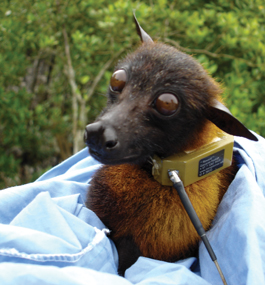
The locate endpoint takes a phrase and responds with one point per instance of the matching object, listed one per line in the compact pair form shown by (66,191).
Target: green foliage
(36,114)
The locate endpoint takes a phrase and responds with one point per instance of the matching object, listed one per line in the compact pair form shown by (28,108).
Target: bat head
(160,101)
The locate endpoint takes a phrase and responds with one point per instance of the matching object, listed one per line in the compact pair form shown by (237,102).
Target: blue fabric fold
(48,236)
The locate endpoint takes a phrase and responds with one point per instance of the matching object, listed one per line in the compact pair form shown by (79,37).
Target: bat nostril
(92,133)
(110,138)
(111,144)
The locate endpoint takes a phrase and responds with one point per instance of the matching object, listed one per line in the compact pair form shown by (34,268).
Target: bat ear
(223,119)
(145,38)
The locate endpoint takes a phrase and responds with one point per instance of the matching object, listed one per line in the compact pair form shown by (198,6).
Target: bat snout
(102,141)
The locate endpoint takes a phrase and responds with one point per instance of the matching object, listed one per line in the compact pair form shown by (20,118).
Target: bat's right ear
(223,119)
(145,38)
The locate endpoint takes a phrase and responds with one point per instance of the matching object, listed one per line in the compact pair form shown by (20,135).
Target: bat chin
(115,159)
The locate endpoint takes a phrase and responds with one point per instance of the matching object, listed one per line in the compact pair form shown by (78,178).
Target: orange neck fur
(132,204)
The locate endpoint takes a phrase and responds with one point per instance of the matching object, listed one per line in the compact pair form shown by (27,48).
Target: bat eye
(166,104)
(118,80)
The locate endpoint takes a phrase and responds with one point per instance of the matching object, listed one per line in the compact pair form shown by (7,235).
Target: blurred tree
(56,59)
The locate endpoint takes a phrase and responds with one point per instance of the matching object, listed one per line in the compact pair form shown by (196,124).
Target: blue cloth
(48,236)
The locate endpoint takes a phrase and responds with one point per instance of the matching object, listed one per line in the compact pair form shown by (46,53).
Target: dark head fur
(130,129)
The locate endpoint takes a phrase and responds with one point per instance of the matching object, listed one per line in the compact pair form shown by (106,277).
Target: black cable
(178,185)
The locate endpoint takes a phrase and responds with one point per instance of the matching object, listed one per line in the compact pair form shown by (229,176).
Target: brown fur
(146,218)
(133,205)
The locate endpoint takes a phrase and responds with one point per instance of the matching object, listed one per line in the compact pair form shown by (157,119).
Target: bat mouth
(114,158)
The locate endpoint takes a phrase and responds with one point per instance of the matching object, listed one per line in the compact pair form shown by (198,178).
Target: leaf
(84,79)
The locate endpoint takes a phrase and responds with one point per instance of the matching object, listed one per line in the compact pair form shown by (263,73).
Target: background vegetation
(56,58)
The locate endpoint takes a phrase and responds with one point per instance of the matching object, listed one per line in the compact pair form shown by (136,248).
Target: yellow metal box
(197,164)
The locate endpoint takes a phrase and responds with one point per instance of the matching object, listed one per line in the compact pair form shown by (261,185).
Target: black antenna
(178,185)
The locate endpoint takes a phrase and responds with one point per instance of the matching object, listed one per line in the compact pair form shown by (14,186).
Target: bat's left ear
(145,38)
(223,119)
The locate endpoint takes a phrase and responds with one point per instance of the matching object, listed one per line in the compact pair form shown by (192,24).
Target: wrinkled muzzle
(111,144)
(102,141)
